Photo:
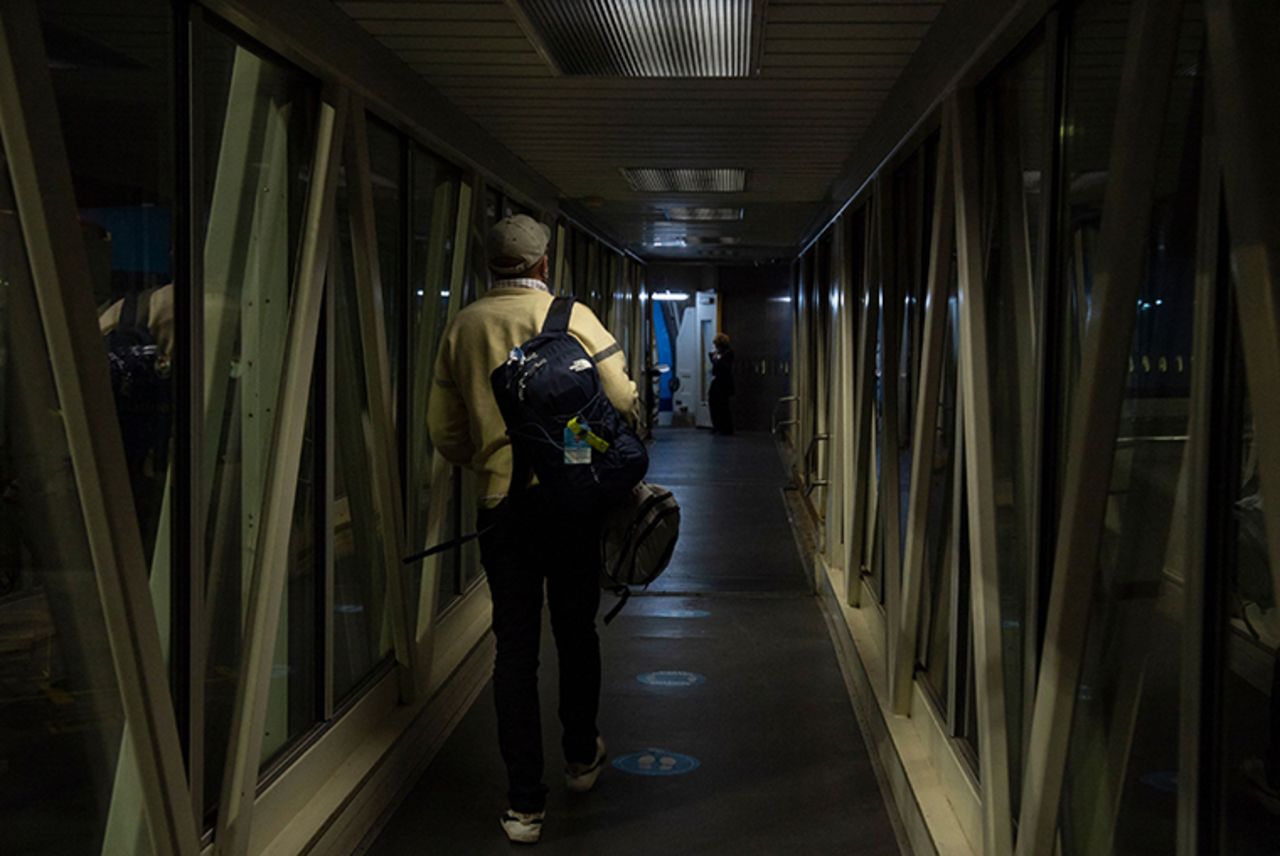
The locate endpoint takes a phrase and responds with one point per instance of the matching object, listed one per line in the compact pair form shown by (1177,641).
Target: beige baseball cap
(516,243)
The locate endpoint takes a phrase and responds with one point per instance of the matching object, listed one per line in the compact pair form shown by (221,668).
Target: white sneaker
(581,778)
(523,827)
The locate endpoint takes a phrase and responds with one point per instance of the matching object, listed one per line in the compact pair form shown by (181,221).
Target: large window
(435,188)
(257,132)
(1011,103)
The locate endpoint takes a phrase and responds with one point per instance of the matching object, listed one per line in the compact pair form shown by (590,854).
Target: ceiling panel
(824,69)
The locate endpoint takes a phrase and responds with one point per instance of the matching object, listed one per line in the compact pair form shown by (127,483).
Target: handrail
(810,484)
(774,423)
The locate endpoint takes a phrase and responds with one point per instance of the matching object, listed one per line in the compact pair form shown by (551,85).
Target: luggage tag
(576,448)
(579,440)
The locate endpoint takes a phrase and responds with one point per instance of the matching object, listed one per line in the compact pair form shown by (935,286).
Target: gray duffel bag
(637,540)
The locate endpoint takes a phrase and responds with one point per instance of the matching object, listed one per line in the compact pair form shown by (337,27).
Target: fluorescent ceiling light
(671,295)
(710,240)
(645,38)
(703,215)
(679,180)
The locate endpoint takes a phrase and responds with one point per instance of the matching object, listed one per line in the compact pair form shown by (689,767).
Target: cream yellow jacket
(462,416)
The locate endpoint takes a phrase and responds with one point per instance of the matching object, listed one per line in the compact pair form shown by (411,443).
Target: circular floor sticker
(657,762)
(678,613)
(671,679)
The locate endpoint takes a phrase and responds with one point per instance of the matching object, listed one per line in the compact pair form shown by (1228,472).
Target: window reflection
(1251,679)
(1123,757)
(61,725)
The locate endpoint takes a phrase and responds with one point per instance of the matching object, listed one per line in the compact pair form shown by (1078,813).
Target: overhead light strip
(644,38)
(703,215)
(679,180)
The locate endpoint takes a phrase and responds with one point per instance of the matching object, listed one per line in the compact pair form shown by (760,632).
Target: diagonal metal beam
(890,482)
(933,365)
(863,389)
(377,380)
(271,562)
(1150,50)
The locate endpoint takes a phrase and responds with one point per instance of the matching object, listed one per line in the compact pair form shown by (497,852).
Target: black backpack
(561,424)
(142,385)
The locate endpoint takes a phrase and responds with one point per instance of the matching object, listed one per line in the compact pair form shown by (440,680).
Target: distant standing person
(721,385)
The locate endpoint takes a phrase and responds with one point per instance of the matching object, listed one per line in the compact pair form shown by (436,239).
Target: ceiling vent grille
(660,180)
(645,38)
(703,215)
(710,240)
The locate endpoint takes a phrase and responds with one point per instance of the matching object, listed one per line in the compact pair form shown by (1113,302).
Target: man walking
(532,538)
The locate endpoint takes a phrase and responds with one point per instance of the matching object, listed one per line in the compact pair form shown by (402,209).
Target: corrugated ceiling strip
(645,38)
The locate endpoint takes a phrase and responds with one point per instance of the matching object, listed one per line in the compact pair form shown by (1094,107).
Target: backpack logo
(580,365)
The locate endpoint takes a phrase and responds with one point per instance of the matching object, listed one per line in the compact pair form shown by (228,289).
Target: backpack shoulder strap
(142,314)
(128,319)
(558,315)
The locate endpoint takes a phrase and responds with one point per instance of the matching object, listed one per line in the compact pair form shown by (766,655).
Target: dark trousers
(542,540)
(718,402)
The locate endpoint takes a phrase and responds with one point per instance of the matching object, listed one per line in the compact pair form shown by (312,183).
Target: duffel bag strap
(623,593)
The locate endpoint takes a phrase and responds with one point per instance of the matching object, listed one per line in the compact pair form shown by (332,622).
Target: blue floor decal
(657,762)
(671,679)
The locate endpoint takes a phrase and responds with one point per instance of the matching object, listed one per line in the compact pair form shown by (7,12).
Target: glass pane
(435,212)
(361,618)
(257,135)
(1123,755)
(942,540)
(1012,108)
(61,724)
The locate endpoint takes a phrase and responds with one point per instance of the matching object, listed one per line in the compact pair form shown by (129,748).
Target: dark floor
(783,766)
